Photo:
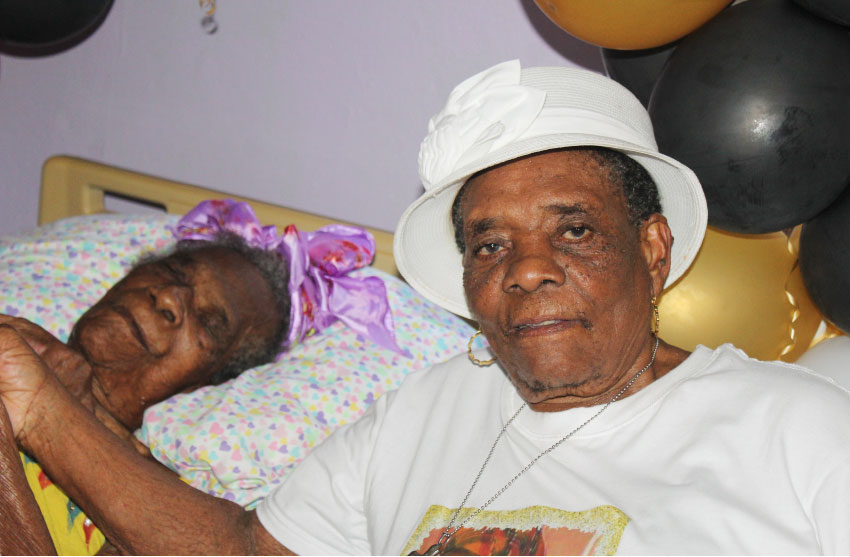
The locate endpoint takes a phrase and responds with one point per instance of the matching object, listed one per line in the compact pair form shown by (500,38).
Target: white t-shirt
(723,455)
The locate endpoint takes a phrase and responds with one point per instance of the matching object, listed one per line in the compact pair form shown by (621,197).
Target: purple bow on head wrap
(319,290)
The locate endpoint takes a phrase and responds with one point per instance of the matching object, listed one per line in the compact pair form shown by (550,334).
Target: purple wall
(316,105)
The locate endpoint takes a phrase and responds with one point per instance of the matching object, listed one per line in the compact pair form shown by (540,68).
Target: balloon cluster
(754,96)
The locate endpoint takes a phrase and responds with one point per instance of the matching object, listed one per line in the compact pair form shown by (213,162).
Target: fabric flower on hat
(482,114)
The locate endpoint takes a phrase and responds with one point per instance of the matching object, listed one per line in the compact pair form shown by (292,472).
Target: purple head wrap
(319,290)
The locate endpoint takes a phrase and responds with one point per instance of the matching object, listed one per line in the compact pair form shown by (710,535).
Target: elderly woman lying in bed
(217,304)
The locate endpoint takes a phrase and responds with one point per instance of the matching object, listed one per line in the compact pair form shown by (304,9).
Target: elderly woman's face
(556,275)
(169,325)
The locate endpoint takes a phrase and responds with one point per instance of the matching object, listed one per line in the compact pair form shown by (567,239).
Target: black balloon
(44,27)
(833,10)
(757,103)
(637,70)
(825,261)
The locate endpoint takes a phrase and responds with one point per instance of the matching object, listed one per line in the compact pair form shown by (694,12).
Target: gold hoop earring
(472,357)
(657,320)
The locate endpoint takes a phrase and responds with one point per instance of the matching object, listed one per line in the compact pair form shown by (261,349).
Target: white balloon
(831,358)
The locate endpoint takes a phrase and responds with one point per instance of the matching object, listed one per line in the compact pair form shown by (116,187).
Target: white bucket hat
(507,112)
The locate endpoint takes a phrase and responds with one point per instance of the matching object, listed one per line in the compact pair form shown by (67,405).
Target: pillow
(240,439)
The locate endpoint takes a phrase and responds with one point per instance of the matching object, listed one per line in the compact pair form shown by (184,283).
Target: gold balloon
(630,24)
(745,289)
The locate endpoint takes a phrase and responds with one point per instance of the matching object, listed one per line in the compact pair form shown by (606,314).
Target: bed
(240,439)
(72,187)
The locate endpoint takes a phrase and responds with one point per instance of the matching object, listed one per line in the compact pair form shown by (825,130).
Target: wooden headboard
(72,186)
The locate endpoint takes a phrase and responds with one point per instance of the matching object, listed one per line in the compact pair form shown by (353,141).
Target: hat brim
(424,244)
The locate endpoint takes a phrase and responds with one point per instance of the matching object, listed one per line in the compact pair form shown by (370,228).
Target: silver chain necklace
(451,529)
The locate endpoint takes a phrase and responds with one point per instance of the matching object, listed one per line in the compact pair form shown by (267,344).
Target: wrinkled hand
(69,366)
(23,378)
(72,370)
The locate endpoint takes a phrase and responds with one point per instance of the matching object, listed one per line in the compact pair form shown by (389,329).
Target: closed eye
(216,323)
(177,273)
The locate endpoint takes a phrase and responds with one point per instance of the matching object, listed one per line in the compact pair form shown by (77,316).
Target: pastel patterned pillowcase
(240,439)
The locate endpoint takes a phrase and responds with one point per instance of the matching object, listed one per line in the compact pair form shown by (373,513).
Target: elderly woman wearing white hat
(549,218)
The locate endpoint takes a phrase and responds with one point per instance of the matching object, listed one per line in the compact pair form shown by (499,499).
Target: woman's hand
(69,366)
(23,379)
(72,370)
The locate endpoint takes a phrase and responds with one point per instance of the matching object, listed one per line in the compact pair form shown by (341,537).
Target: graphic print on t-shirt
(530,531)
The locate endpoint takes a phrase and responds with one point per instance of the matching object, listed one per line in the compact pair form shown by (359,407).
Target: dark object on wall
(825,261)
(756,103)
(44,27)
(637,70)
(833,10)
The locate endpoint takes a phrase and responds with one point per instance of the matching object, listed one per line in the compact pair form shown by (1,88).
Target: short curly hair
(275,270)
(639,188)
